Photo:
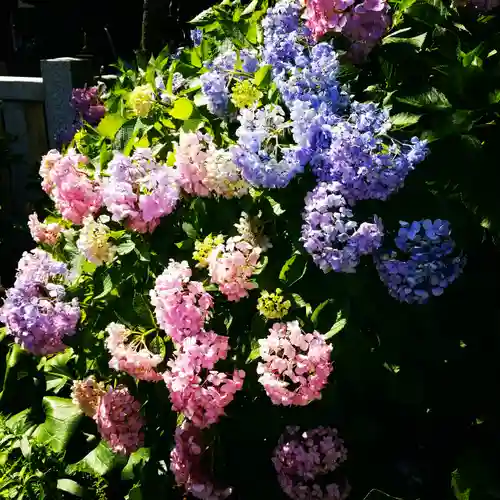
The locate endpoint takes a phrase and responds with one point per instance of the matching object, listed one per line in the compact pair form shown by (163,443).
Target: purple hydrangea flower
(196,36)
(330,234)
(34,311)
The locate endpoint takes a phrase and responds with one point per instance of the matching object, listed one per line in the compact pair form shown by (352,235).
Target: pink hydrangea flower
(362,22)
(232,265)
(190,157)
(119,420)
(196,389)
(128,357)
(139,190)
(187,464)
(74,193)
(47,234)
(295,366)
(299,458)
(182,306)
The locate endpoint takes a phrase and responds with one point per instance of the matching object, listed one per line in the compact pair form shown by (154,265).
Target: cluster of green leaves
(408,392)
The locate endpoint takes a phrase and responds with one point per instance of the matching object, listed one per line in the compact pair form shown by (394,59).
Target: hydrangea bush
(255,254)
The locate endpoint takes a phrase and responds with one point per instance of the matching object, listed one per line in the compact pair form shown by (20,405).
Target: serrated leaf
(402,120)
(134,493)
(98,462)
(183,108)
(189,230)
(205,17)
(137,459)
(415,41)
(432,99)
(250,8)
(339,325)
(70,486)
(62,417)
(109,125)
(255,351)
(317,311)
(125,247)
(107,286)
(19,422)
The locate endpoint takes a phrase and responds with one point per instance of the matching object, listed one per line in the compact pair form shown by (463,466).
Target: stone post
(60,76)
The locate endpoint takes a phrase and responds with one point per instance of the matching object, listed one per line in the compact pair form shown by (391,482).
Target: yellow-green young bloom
(273,305)
(141,99)
(203,248)
(245,94)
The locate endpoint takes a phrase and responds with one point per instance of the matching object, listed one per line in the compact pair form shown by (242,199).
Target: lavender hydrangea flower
(262,160)
(428,263)
(34,311)
(329,233)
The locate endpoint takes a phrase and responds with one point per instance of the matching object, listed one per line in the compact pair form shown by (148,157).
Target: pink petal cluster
(190,157)
(186,463)
(299,458)
(74,193)
(363,22)
(196,389)
(86,394)
(119,420)
(182,306)
(296,365)
(231,266)
(47,234)
(139,363)
(139,190)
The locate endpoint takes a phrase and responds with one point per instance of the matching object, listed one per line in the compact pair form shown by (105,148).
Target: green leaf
(263,76)
(98,462)
(294,269)
(3,333)
(183,109)
(14,355)
(125,247)
(250,8)
(339,325)
(206,17)
(25,447)
(109,125)
(317,311)
(432,99)
(20,422)
(70,486)
(402,120)
(300,302)
(460,491)
(134,493)
(107,286)
(189,230)
(192,125)
(416,41)
(136,461)
(62,417)
(255,351)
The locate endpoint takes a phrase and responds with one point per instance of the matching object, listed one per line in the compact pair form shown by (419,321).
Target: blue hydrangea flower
(329,233)
(196,36)
(263,161)
(427,263)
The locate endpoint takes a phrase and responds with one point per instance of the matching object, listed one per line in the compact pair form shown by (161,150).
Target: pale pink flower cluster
(204,170)
(182,306)
(132,358)
(93,241)
(119,420)
(139,190)
(74,193)
(296,365)
(86,394)
(363,22)
(187,464)
(190,156)
(299,458)
(47,234)
(231,266)
(196,389)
